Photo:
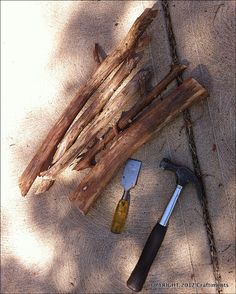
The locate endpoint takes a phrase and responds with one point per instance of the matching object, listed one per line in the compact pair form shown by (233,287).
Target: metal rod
(170,206)
(126,195)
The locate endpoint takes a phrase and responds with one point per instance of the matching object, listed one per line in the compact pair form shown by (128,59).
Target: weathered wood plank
(128,116)
(155,117)
(46,150)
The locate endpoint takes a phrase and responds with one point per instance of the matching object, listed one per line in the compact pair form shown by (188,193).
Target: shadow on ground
(86,257)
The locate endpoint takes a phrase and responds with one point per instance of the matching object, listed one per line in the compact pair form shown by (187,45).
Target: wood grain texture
(43,156)
(101,99)
(66,153)
(127,117)
(113,108)
(47,247)
(155,117)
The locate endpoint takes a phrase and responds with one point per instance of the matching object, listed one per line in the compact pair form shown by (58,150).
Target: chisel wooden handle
(140,272)
(120,216)
(121,213)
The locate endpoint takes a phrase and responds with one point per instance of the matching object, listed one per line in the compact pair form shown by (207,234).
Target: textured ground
(47,246)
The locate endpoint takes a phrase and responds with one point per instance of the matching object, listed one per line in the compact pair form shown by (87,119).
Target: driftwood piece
(100,99)
(88,158)
(44,154)
(112,108)
(128,93)
(158,114)
(99,55)
(103,94)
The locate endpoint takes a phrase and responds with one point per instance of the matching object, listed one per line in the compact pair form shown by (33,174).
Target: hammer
(183,176)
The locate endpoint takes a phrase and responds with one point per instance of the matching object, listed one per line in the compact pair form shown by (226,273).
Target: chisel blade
(130,174)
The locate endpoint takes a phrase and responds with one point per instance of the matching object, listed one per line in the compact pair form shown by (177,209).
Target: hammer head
(183,174)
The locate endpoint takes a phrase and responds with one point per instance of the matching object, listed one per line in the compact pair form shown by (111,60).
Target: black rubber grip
(140,272)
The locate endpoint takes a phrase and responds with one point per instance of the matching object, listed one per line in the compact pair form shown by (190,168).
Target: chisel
(129,180)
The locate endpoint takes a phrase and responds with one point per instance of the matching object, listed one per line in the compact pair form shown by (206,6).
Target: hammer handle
(140,272)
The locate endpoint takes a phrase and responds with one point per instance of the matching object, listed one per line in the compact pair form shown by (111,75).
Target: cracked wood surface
(155,117)
(43,155)
(46,245)
(127,117)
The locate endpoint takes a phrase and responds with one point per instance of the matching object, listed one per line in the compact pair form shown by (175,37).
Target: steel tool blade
(130,174)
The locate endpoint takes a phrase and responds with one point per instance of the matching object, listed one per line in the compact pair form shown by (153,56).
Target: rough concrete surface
(46,245)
